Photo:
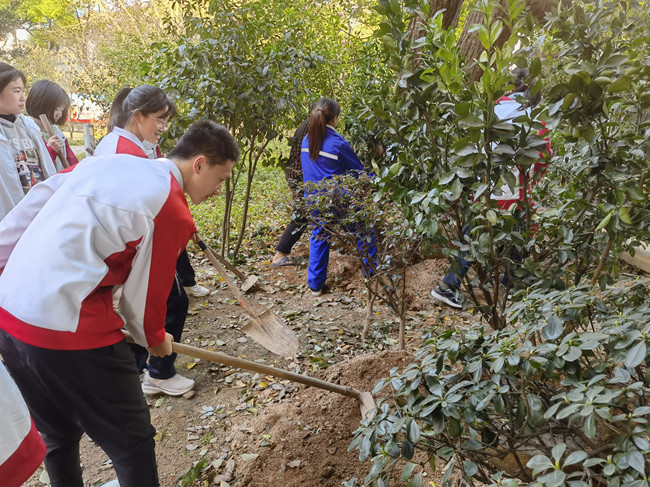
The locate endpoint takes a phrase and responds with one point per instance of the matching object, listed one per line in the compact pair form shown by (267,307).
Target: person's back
(117,219)
(93,223)
(336,157)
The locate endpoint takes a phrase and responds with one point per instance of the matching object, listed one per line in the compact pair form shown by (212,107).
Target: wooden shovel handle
(229,266)
(235,290)
(50,132)
(241,363)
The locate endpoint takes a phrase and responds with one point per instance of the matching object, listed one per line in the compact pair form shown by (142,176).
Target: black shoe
(447,296)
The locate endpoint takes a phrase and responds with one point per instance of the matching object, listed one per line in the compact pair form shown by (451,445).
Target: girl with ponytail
(138,118)
(325,154)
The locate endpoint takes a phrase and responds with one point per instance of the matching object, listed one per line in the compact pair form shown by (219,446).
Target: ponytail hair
(145,99)
(44,98)
(323,112)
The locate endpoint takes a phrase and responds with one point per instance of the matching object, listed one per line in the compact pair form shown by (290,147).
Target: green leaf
(480,190)
(554,327)
(470,468)
(636,355)
(535,68)
(553,479)
(590,426)
(624,215)
(445,452)
(635,193)
(414,432)
(471,122)
(491,215)
(539,463)
(456,189)
(636,461)
(407,471)
(453,426)
(621,84)
(466,150)
(604,221)
(416,481)
(446,178)
(407,449)
(557,451)
(574,457)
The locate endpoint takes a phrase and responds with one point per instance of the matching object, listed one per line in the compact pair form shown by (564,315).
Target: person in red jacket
(49,99)
(109,221)
(507,109)
(138,118)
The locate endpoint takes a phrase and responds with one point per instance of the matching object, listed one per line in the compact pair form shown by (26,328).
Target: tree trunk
(470,46)
(369,315)
(417,26)
(401,344)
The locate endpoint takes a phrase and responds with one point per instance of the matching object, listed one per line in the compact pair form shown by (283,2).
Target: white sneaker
(174,386)
(197,290)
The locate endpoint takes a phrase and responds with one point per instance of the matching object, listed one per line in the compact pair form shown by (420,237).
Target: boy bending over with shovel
(117,219)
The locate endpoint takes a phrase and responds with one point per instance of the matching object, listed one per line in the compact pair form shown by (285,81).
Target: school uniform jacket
(21,448)
(506,110)
(120,141)
(112,220)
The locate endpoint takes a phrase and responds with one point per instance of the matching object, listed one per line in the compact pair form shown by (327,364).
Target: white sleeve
(19,218)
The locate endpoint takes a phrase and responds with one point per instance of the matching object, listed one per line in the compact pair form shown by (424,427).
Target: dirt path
(248,430)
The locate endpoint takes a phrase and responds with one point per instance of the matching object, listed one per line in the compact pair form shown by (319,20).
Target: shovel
(247,282)
(366,402)
(266,329)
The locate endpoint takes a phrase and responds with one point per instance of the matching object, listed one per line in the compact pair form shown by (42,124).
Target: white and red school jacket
(113,220)
(506,110)
(120,141)
(21,448)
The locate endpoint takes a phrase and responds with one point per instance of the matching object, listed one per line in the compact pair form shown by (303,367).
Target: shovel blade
(248,283)
(367,405)
(273,334)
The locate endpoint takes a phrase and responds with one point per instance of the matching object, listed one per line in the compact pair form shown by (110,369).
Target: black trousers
(97,392)
(291,235)
(184,270)
(177,305)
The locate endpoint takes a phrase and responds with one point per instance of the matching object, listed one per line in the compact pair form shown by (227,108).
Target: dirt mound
(308,438)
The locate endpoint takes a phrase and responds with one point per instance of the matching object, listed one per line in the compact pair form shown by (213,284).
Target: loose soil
(251,430)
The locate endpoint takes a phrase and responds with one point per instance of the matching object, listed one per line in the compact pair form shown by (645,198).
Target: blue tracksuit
(336,158)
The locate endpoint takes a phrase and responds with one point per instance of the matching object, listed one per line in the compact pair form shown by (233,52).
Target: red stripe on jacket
(24,461)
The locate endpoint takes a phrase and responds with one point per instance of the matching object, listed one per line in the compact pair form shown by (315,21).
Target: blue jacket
(336,158)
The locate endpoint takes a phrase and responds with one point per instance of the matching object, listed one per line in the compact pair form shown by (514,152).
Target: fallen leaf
(294,464)
(44,478)
(247,457)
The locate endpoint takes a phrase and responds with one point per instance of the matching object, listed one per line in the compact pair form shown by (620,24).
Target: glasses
(162,123)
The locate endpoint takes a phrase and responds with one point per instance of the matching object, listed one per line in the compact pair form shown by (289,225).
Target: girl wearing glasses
(138,118)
